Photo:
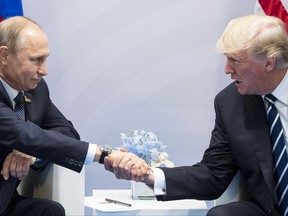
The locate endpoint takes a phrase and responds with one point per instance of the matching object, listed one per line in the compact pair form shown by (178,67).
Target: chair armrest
(56,183)
(236,191)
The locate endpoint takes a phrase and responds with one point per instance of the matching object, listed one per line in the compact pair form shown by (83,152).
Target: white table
(141,207)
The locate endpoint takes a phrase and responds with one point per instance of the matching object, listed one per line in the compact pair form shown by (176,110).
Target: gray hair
(11,29)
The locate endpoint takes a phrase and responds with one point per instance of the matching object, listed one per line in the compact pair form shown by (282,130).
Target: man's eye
(35,61)
(236,60)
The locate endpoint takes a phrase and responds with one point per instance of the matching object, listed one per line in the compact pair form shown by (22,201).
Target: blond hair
(261,35)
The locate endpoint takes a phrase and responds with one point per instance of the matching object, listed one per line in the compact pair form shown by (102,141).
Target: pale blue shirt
(12,93)
(281,93)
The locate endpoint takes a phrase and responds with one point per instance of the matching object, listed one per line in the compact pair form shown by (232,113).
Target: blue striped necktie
(279,154)
(7,187)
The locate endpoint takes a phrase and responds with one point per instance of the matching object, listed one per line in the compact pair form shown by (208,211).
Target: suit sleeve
(209,178)
(47,134)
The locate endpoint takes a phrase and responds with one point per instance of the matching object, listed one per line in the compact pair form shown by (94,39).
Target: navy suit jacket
(46,133)
(240,141)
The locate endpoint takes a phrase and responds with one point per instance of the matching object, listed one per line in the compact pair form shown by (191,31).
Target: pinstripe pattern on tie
(279,154)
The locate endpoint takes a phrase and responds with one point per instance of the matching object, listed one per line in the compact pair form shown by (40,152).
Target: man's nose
(228,68)
(42,70)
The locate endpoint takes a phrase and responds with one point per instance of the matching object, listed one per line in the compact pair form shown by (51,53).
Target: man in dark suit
(41,133)
(256,48)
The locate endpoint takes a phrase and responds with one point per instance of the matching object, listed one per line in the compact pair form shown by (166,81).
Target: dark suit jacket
(45,134)
(240,141)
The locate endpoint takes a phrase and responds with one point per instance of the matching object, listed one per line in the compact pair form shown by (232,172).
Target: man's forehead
(238,54)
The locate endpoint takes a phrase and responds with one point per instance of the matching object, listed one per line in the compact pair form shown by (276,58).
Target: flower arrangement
(147,146)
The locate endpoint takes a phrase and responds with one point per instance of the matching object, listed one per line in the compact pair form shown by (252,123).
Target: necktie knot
(19,98)
(270,98)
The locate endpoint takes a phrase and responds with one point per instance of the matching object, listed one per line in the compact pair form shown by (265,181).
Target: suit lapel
(256,123)
(4,97)
(28,98)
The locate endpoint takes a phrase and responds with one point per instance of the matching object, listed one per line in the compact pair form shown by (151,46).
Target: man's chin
(32,87)
(241,90)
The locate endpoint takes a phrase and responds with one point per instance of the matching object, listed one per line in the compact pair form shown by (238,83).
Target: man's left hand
(17,164)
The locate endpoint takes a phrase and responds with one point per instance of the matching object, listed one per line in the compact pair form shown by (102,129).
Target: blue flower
(147,146)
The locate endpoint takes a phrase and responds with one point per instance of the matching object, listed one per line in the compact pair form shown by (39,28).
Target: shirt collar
(281,91)
(12,93)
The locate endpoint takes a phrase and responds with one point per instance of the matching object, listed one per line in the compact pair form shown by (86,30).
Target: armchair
(235,191)
(58,184)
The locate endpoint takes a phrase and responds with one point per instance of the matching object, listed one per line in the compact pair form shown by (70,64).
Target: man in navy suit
(42,134)
(256,48)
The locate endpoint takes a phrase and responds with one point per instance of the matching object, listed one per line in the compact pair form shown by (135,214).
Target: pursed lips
(37,80)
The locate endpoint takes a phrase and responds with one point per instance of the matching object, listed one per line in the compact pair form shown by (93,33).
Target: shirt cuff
(92,149)
(38,162)
(159,182)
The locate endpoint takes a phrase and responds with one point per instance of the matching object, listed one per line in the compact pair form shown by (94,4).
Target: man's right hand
(126,165)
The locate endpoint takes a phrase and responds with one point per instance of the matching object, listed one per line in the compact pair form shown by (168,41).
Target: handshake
(125,165)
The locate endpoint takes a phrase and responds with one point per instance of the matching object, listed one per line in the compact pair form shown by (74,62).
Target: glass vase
(141,191)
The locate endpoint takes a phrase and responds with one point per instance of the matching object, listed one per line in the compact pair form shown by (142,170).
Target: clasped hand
(126,165)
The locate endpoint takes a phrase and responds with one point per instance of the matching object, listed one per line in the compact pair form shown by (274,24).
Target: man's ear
(3,54)
(270,64)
